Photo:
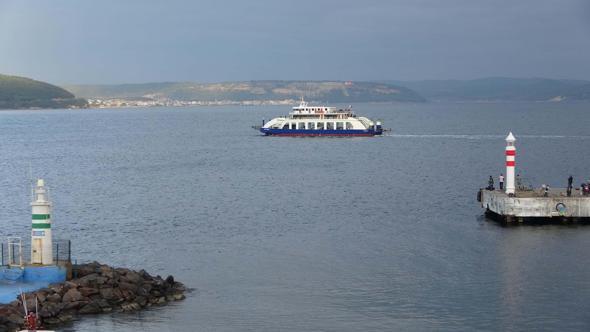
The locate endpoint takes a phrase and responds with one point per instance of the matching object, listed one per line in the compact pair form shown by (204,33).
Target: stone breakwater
(96,289)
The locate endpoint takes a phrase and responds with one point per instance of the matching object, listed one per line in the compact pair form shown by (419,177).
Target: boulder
(50,309)
(144,275)
(41,296)
(127,294)
(75,305)
(132,277)
(15,319)
(90,308)
(141,300)
(111,294)
(88,291)
(72,295)
(170,280)
(128,286)
(132,306)
(102,303)
(107,293)
(55,298)
(57,288)
(179,287)
(107,271)
(88,280)
(69,285)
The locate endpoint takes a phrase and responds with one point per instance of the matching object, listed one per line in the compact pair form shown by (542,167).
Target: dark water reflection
(317,234)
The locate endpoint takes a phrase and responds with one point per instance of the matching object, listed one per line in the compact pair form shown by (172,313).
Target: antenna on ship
(302,103)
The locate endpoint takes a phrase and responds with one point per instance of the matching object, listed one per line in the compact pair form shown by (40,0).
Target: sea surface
(311,234)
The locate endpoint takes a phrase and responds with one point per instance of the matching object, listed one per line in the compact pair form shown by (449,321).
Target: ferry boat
(305,120)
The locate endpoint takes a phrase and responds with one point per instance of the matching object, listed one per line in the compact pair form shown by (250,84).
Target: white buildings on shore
(148,102)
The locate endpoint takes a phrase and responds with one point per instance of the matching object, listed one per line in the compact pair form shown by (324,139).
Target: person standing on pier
(490,183)
(501,180)
(570,182)
(545,189)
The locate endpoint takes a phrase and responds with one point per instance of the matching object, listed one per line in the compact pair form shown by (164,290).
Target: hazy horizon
(68,42)
(321,80)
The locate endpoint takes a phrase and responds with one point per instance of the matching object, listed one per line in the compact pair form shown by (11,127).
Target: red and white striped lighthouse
(510,164)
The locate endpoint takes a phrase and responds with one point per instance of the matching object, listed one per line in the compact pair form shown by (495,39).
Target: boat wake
(484,137)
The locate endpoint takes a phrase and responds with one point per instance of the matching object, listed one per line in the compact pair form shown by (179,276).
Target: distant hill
(19,92)
(326,91)
(500,89)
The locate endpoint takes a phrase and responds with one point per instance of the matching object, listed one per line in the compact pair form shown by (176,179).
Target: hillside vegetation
(330,91)
(501,89)
(19,92)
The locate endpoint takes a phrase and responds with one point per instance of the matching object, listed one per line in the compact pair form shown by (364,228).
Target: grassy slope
(330,91)
(19,92)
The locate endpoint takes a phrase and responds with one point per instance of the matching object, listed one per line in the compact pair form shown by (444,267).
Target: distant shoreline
(24,93)
(276,103)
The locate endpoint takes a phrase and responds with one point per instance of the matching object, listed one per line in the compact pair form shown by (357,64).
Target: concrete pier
(533,205)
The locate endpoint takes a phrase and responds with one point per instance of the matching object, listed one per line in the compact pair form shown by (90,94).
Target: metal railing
(17,253)
(62,251)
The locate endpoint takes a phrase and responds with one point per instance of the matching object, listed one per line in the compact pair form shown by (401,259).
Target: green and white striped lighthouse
(41,242)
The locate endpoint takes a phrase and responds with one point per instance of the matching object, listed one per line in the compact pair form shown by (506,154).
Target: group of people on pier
(501,182)
(584,187)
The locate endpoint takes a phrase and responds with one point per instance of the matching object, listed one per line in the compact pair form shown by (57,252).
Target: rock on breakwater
(96,289)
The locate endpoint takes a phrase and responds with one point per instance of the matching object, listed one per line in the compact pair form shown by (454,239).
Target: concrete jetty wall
(535,205)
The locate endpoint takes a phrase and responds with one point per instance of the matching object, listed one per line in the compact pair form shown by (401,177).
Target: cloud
(66,41)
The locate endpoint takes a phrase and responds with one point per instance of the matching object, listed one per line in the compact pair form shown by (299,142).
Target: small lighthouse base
(13,280)
(534,206)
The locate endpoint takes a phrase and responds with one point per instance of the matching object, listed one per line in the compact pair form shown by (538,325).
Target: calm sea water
(311,234)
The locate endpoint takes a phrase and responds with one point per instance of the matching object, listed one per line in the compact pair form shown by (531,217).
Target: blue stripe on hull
(304,132)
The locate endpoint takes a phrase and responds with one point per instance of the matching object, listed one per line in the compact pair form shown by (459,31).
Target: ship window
(339,125)
(348,125)
(292,125)
(301,125)
(330,125)
(310,125)
(286,126)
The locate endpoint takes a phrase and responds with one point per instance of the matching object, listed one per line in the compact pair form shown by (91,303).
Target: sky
(135,41)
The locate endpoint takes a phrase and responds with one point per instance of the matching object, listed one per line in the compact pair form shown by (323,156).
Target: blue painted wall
(49,274)
(31,278)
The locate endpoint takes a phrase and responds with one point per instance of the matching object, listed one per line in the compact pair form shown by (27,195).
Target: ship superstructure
(305,120)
